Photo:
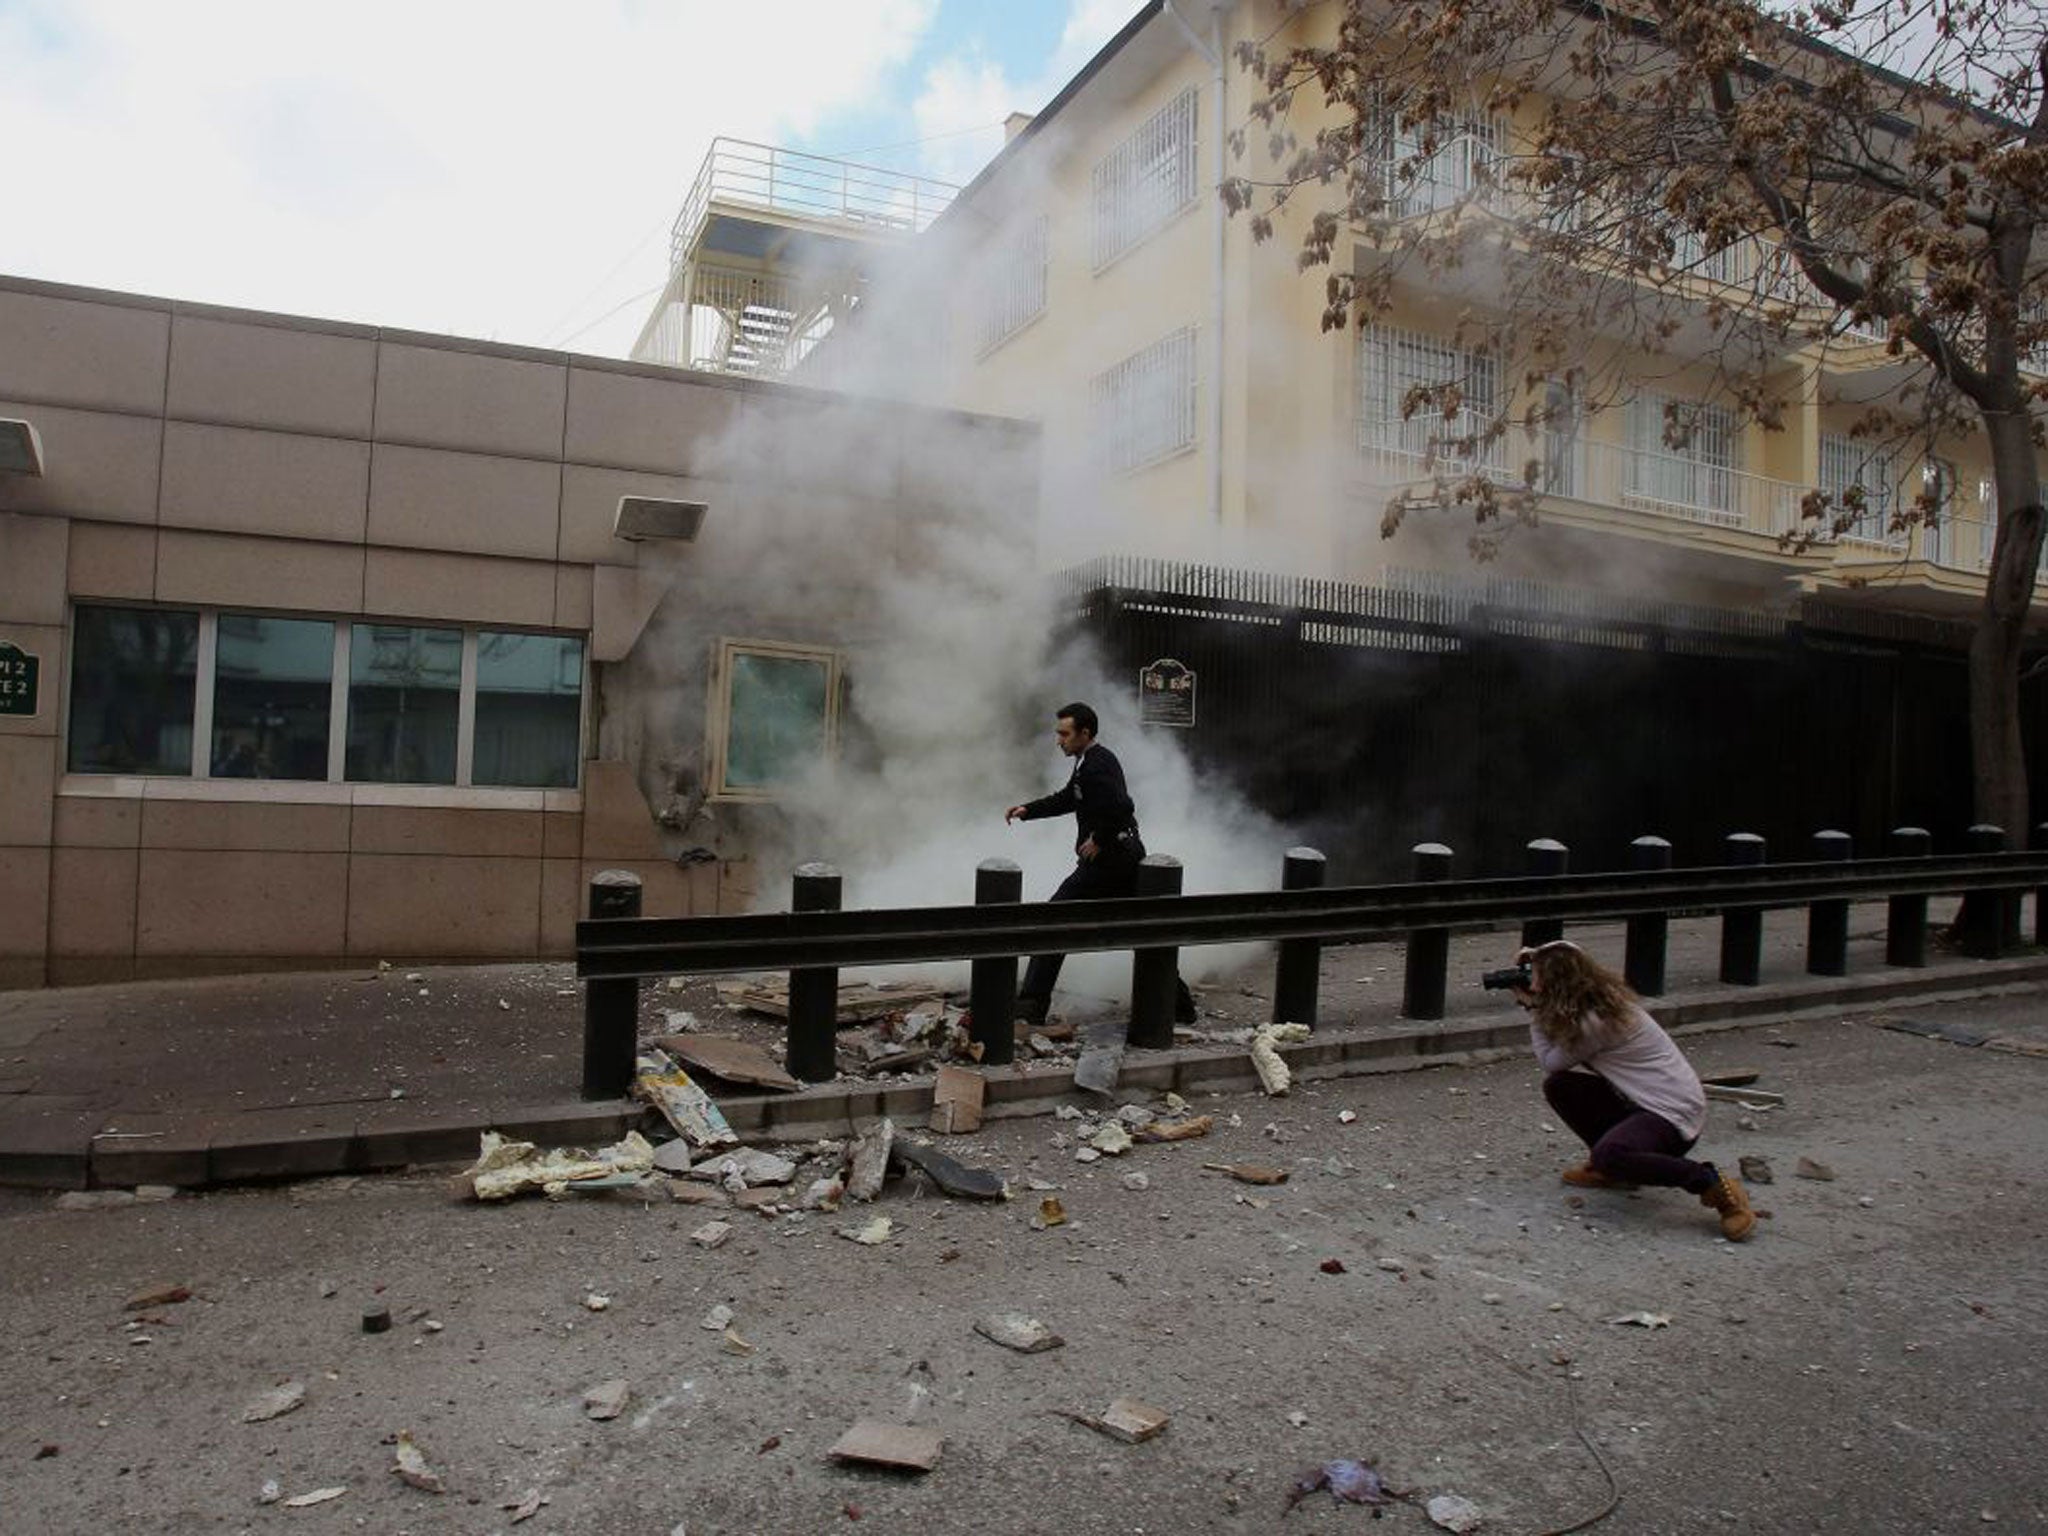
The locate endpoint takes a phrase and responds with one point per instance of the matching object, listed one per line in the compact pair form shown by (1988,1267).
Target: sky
(499,169)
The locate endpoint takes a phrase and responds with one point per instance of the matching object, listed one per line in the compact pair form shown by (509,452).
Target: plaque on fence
(1166,694)
(19,673)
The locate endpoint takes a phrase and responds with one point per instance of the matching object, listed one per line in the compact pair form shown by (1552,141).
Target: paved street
(1870,1362)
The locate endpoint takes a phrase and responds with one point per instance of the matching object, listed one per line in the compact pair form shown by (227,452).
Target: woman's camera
(1507,978)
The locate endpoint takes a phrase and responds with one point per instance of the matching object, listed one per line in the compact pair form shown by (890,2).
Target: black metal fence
(1481,714)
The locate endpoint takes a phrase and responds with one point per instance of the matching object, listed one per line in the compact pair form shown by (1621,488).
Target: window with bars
(1466,150)
(1142,183)
(1395,362)
(1847,465)
(1145,405)
(1013,287)
(1694,474)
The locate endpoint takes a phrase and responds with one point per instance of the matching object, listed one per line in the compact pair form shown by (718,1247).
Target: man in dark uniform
(1106,844)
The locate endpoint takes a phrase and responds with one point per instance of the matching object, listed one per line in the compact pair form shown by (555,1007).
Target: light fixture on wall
(654,517)
(21,449)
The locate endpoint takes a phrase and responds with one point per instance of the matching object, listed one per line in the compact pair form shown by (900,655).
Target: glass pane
(776,723)
(133,677)
(529,710)
(271,690)
(404,699)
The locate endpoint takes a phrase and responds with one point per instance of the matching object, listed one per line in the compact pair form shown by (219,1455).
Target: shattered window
(779,716)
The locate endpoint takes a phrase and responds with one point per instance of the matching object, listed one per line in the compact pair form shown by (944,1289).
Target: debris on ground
(1453,1513)
(271,1491)
(1349,1481)
(317,1496)
(729,1059)
(606,1400)
(1748,1098)
(596,1301)
(157,1296)
(672,1156)
(412,1468)
(1137,1183)
(867,1161)
(1250,1173)
(504,1167)
(1642,1320)
(685,1106)
(526,1506)
(1050,1214)
(1273,1074)
(711,1234)
(875,1442)
(869,1234)
(1955,1034)
(1014,1330)
(1174,1130)
(275,1403)
(1112,1140)
(858,1001)
(1332,1266)
(1738,1077)
(376,1318)
(952,1176)
(1807,1168)
(1755,1170)
(1125,1419)
(742,1168)
(957,1096)
(1102,1056)
(718,1319)
(823,1195)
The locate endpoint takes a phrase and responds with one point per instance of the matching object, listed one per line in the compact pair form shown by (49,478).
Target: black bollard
(1154,971)
(812,1051)
(1905,922)
(2041,896)
(611,1004)
(1298,969)
(1827,922)
(1649,933)
(1742,928)
(1547,856)
(1429,949)
(992,990)
(1983,914)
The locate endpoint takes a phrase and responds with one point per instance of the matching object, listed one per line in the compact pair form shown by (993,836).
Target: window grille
(1846,464)
(1694,478)
(1145,405)
(1392,362)
(1469,147)
(1146,180)
(1013,291)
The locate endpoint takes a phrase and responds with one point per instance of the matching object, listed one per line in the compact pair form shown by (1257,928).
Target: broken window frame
(718,712)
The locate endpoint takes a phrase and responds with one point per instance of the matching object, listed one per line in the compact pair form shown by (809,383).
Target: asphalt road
(1870,1362)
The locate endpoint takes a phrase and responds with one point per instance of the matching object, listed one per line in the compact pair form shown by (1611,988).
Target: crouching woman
(1619,1082)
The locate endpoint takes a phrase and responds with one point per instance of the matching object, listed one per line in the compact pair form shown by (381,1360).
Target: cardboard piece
(858,1000)
(957,1096)
(730,1060)
(878,1443)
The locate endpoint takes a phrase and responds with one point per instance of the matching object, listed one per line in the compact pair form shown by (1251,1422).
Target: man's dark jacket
(1101,803)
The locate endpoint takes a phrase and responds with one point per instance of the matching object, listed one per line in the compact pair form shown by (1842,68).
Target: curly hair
(1580,1003)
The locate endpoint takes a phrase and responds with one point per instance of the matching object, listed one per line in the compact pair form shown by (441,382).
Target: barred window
(1846,464)
(1465,150)
(1392,363)
(1146,180)
(1013,286)
(1145,405)
(1691,477)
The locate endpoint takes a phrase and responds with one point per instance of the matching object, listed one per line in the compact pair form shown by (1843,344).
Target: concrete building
(327,644)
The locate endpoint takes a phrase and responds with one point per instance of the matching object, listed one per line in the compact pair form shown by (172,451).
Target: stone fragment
(868,1161)
(412,1468)
(711,1234)
(275,1403)
(157,1296)
(1112,1140)
(905,1447)
(317,1496)
(1137,1183)
(1807,1168)
(1452,1513)
(869,1234)
(752,1166)
(606,1400)
(673,1156)
(718,1319)
(1756,1170)
(1014,1330)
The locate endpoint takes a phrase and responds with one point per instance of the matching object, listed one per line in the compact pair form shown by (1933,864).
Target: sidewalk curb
(107,1149)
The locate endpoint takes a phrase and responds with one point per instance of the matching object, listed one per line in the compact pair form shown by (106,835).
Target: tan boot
(1586,1176)
(1737,1219)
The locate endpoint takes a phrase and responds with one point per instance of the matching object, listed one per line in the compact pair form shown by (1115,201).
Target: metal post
(1429,949)
(1827,922)
(992,991)
(1154,971)
(1742,928)
(2041,895)
(814,991)
(1547,856)
(1983,918)
(1298,970)
(1905,923)
(611,1005)
(1649,933)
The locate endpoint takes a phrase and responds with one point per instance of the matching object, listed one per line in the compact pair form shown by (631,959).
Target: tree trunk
(1997,756)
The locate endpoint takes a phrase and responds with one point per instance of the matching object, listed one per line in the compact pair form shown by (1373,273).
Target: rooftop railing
(787,181)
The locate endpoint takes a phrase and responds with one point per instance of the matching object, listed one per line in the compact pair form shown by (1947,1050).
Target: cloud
(472,166)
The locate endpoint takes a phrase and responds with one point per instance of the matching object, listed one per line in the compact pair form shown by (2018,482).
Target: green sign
(18,675)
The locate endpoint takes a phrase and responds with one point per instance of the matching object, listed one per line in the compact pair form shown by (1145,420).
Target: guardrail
(816,938)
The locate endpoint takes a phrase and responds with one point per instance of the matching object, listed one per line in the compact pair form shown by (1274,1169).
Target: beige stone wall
(221,459)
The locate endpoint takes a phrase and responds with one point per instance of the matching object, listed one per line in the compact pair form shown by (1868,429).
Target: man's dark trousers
(1104,876)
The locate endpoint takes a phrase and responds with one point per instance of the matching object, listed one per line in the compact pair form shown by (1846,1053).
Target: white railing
(1463,167)
(808,186)
(1431,443)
